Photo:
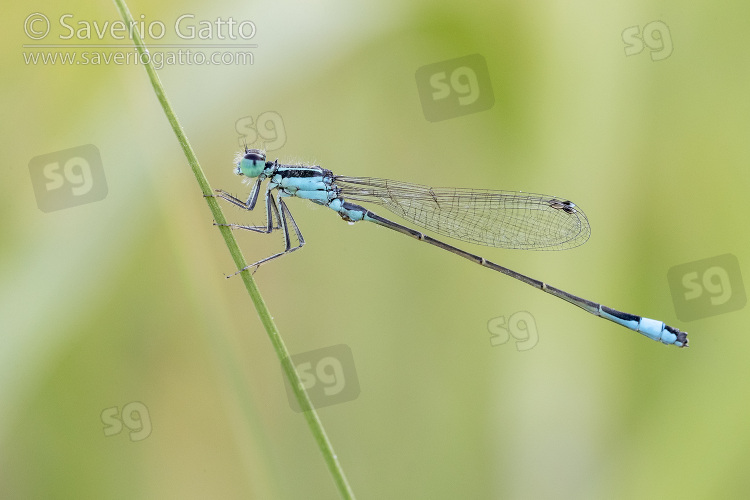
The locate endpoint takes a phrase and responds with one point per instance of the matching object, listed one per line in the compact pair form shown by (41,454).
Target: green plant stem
(311,415)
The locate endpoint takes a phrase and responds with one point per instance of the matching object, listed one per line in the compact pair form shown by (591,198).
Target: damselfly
(502,219)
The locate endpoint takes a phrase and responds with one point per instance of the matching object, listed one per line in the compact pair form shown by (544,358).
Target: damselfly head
(251,164)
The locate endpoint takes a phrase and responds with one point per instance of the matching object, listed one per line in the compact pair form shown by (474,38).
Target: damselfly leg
(278,211)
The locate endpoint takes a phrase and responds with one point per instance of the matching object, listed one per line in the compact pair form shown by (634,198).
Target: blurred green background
(123,301)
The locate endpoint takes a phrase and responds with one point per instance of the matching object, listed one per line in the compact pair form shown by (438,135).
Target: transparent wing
(504,219)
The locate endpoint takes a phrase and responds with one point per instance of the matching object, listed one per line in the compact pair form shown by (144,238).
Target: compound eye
(252,163)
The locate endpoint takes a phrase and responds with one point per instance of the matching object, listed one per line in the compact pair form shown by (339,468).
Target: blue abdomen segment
(348,211)
(651,328)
